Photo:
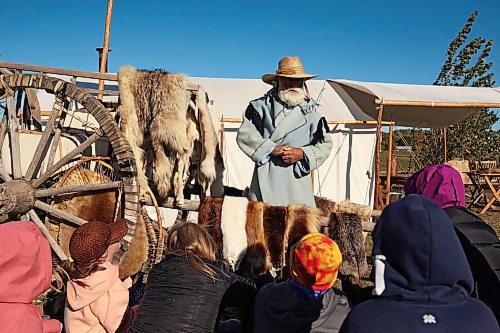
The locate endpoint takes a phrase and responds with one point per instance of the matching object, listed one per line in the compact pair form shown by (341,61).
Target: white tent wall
(347,173)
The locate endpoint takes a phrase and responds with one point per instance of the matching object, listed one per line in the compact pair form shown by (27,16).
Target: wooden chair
(485,165)
(463,167)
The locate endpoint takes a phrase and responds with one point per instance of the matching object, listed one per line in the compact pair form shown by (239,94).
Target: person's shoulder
(263,100)
(475,307)
(272,289)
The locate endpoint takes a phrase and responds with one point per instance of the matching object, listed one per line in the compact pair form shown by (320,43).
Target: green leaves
(466,64)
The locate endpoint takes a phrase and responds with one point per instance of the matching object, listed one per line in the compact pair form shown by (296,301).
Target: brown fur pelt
(348,233)
(83,205)
(257,258)
(274,222)
(209,217)
(301,220)
(269,229)
(97,207)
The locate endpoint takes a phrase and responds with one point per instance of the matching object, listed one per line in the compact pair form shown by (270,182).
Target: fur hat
(315,261)
(91,240)
(288,67)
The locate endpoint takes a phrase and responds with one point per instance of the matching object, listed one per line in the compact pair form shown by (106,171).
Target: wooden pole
(477,105)
(380,109)
(221,145)
(105,47)
(445,146)
(389,168)
(330,122)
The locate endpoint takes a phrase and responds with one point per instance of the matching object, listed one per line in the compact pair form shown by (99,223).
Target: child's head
(25,262)
(315,261)
(89,246)
(194,242)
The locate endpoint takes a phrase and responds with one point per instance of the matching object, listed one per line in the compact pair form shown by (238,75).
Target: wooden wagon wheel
(30,192)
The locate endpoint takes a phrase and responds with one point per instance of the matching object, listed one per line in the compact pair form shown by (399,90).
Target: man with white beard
(285,137)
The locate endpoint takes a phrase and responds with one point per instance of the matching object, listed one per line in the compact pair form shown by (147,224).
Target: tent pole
(221,144)
(389,168)
(445,146)
(380,109)
(105,47)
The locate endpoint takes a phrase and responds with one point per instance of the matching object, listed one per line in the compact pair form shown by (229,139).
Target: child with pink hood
(96,297)
(25,273)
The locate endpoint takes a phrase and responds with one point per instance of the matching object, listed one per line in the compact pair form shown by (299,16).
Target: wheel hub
(16,196)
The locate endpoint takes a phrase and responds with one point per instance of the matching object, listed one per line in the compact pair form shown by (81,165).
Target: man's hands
(289,155)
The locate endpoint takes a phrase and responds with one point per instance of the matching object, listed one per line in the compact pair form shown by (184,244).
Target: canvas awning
(417,105)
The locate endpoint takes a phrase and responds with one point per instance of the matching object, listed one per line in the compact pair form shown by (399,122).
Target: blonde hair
(195,243)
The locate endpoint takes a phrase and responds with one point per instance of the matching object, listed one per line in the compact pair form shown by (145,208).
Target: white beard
(292,96)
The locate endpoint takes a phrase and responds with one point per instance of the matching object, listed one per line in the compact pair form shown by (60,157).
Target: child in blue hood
(422,279)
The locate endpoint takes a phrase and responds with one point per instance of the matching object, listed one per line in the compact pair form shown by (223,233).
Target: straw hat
(91,240)
(288,67)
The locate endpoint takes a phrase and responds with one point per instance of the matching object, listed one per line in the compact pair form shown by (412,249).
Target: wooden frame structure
(380,103)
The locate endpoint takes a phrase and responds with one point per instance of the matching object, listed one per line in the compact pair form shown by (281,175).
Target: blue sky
(385,41)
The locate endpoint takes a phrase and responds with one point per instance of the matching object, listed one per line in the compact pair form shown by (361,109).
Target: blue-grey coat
(264,126)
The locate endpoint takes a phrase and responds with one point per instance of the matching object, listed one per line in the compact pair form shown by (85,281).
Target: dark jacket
(482,249)
(279,310)
(180,299)
(422,278)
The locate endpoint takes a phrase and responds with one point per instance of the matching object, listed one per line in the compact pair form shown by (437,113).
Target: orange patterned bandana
(315,261)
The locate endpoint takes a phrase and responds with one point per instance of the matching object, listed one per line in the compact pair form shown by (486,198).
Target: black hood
(417,255)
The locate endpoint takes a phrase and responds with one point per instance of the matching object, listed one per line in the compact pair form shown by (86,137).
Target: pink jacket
(25,273)
(96,303)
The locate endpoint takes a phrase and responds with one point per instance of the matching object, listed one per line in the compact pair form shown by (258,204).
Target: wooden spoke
(66,159)
(77,189)
(3,130)
(53,244)
(5,176)
(14,139)
(59,213)
(34,107)
(39,152)
(57,137)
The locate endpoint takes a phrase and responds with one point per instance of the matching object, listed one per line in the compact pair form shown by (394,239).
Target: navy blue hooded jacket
(422,278)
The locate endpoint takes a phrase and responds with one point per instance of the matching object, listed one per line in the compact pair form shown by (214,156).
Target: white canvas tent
(419,105)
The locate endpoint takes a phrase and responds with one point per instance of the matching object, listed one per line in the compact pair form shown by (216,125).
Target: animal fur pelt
(268,230)
(158,118)
(209,217)
(98,206)
(257,258)
(233,226)
(211,166)
(153,108)
(346,229)
(301,220)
